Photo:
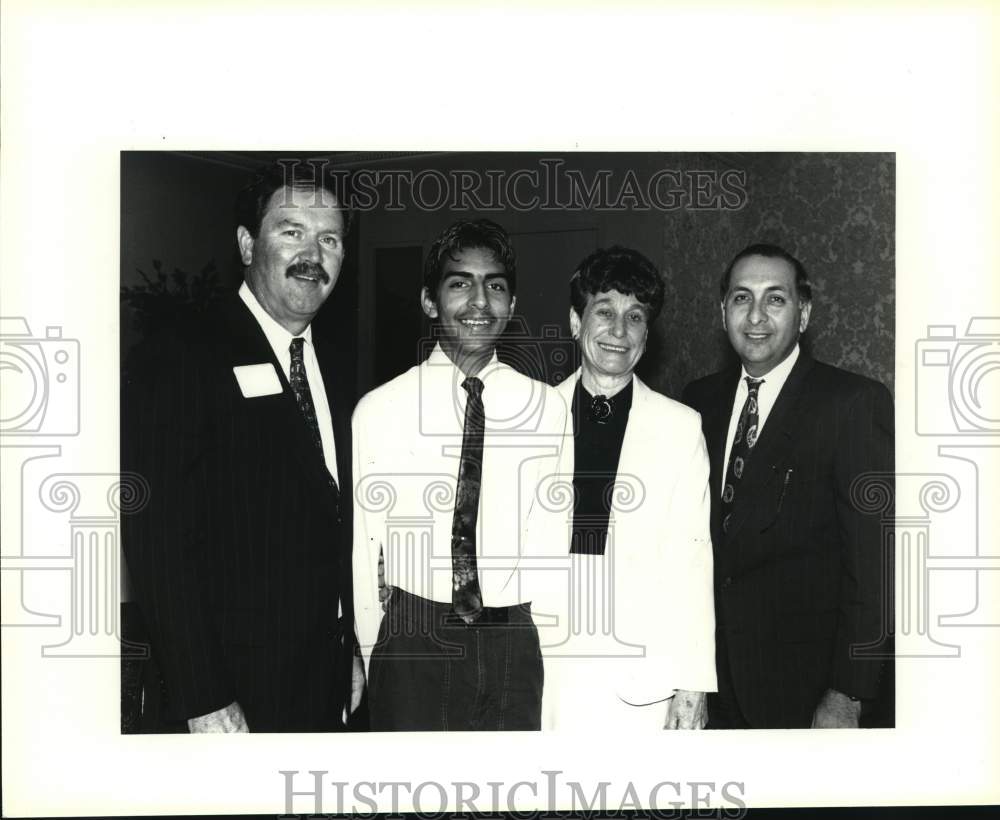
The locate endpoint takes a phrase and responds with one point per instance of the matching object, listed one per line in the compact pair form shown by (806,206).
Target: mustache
(308,269)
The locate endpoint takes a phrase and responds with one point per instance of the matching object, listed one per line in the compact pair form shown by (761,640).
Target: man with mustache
(802,570)
(448,460)
(240,560)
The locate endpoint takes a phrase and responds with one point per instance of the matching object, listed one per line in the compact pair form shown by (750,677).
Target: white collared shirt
(407,437)
(280,340)
(767,395)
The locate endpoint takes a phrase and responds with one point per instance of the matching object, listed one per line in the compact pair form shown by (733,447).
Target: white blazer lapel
(631,498)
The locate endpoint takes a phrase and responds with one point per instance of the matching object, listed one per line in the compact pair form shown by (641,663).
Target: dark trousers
(430,671)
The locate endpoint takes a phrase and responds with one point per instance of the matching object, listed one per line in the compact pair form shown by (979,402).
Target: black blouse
(600,430)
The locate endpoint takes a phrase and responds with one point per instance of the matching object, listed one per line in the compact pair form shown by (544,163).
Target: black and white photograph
(281,582)
(555,410)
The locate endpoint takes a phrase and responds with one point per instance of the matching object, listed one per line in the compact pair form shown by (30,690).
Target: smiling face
(293,263)
(612,333)
(472,306)
(762,312)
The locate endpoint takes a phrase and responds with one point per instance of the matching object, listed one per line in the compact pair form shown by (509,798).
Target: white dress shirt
(280,340)
(767,395)
(407,438)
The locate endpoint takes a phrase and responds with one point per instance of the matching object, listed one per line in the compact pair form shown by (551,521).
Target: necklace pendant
(600,409)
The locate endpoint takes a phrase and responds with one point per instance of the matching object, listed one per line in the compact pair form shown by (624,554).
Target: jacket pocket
(781,485)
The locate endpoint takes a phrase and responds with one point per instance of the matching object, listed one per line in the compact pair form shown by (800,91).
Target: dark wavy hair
(465,234)
(252,201)
(621,269)
(802,284)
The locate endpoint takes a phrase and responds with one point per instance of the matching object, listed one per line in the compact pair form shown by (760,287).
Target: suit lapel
(341,409)
(715,423)
(775,441)
(630,460)
(251,346)
(247,341)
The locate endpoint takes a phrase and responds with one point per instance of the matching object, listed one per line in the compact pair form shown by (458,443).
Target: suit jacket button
(728,582)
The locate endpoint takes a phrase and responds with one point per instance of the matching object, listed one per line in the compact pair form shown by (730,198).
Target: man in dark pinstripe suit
(241,559)
(803,577)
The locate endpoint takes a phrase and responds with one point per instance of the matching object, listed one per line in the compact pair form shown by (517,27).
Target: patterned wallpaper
(835,212)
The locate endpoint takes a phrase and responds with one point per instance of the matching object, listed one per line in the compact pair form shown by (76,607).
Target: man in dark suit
(802,574)
(241,559)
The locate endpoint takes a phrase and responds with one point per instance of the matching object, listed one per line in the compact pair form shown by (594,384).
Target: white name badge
(257,380)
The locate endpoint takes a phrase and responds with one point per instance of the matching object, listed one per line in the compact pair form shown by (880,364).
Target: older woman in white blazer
(635,647)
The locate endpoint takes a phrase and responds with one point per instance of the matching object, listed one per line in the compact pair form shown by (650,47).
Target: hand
(836,711)
(687,710)
(229,719)
(357,683)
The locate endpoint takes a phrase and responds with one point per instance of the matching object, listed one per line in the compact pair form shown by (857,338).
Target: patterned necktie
(299,383)
(466,597)
(743,442)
